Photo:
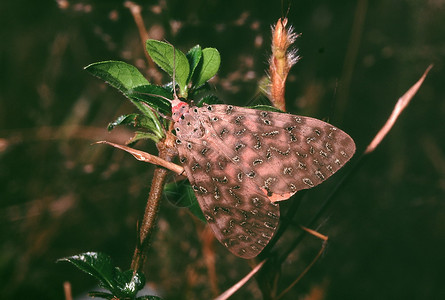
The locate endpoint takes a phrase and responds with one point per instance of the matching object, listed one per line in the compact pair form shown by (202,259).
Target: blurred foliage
(121,285)
(60,195)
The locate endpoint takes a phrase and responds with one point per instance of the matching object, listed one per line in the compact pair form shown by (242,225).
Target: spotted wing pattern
(240,161)
(284,153)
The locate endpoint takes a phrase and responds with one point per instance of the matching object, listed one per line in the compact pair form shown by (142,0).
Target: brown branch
(167,152)
(149,221)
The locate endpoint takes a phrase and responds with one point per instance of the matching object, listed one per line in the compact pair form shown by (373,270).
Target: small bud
(281,60)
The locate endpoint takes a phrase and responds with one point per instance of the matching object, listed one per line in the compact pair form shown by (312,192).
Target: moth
(241,162)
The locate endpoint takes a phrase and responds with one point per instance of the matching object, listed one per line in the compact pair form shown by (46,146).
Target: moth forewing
(240,161)
(284,152)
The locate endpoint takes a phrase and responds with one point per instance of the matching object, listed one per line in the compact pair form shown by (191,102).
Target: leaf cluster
(189,72)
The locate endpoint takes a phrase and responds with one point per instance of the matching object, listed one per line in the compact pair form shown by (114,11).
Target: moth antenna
(162,115)
(159,96)
(158,112)
(175,95)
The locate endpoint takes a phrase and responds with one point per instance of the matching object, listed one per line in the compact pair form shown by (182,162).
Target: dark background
(60,195)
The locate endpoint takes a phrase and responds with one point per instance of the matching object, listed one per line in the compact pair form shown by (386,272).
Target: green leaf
(155,122)
(97,265)
(120,284)
(135,120)
(198,92)
(154,96)
(265,107)
(194,56)
(129,80)
(208,66)
(149,121)
(127,284)
(118,74)
(162,55)
(139,135)
(152,120)
(181,194)
(139,121)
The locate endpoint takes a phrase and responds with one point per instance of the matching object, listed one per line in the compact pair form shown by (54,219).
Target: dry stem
(166,153)
(401,104)
(135,10)
(240,283)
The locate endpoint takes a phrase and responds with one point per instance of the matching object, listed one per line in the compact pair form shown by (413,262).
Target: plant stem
(166,151)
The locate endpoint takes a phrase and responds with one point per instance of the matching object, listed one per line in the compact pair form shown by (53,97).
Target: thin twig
(315,233)
(135,10)
(401,104)
(351,56)
(240,283)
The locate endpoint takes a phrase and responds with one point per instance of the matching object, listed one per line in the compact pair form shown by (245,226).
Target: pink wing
(281,153)
(241,216)
(240,161)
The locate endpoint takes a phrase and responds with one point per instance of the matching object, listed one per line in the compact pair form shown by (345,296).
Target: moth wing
(240,215)
(282,153)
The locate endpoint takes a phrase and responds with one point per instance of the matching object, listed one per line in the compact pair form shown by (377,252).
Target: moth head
(178,109)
